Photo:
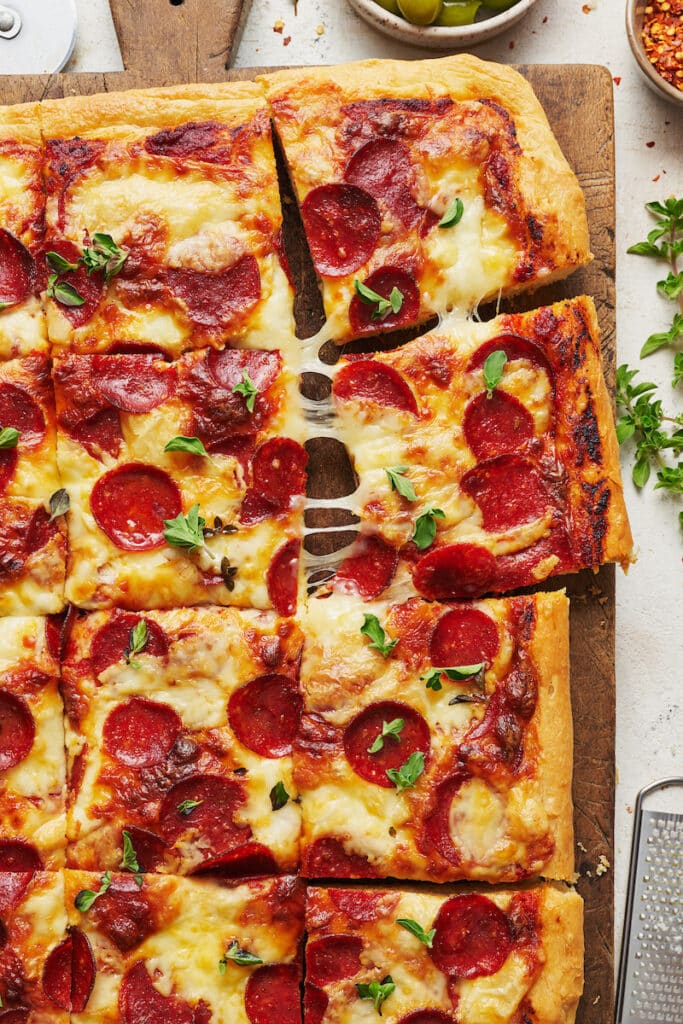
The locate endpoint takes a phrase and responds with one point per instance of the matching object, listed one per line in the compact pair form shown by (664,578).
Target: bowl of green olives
(442,24)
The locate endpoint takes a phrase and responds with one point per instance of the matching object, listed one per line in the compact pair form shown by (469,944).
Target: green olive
(420,12)
(389,5)
(499,5)
(458,12)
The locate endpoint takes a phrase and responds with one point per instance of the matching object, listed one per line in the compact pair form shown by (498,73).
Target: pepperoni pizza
(476,957)
(22,206)
(425,186)
(32,769)
(184,951)
(179,733)
(486,456)
(436,741)
(143,442)
(163,218)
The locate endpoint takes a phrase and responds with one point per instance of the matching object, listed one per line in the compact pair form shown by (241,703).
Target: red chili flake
(656,177)
(511,44)
(586,8)
(650,144)
(286,41)
(545,20)
(617,79)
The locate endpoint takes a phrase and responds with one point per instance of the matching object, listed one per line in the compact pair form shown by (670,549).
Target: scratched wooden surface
(166,44)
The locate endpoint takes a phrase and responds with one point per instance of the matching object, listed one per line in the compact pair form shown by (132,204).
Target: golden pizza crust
(21,123)
(556,994)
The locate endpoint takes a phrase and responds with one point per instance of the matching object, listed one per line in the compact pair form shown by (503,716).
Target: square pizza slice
(425,186)
(164,221)
(22,221)
(32,557)
(35,960)
(32,762)
(185,951)
(28,458)
(179,736)
(436,740)
(495,956)
(212,442)
(486,455)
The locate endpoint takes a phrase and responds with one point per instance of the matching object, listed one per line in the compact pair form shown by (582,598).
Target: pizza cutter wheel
(37,37)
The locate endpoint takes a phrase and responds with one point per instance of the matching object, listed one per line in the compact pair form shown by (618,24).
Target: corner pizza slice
(486,455)
(497,956)
(425,186)
(186,479)
(436,740)
(35,961)
(164,221)
(180,729)
(22,214)
(32,763)
(28,458)
(32,557)
(186,951)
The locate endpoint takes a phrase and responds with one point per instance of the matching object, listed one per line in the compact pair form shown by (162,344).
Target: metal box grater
(651,967)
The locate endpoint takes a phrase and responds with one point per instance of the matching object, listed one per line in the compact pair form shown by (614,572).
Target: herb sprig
(665,242)
(377,991)
(237,955)
(383,307)
(374,631)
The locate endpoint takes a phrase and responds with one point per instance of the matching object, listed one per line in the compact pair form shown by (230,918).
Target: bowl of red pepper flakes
(655,32)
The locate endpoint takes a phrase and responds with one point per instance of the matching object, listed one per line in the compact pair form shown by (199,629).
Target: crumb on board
(603,866)
(320,30)
(581,847)
(575,877)
(278,25)
(596,1000)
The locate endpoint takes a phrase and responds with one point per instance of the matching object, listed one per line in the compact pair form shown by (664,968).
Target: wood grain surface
(578,101)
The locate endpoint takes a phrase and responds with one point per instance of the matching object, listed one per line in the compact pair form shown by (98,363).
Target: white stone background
(650,599)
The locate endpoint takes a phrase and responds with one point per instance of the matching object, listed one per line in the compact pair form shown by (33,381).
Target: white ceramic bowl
(437,37)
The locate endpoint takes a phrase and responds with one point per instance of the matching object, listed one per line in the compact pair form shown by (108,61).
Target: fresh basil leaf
(493,370)
(248,390)
(426,938)
(278,796)
(59,501)
(129,860)
(59,264)
(185,807)
(393,729)
(424,532)
(137,641)
(377,991)
(190,445)
(382,306)
(239,956)
(86,897)
(433,680)
(104,255)
(396,300)
(456,673)
(62,292)
(186,531)
(453,214)
(373,629)
(9,438)
(399,483)
(410,771)
(641,472)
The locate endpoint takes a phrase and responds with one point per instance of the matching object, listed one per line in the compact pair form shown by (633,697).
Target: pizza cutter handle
(184,40)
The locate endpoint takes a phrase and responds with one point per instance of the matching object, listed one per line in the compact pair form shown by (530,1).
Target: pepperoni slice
(279,475)
(133,383)
(327,858)
(191,139)
(19,410)
(342,225)
(8,464)
(141,1003)
(369,567)
(140,733)
(383,168)
(124,913)
(18,863)
(455,571)
(438,822)
(464,636)
(69,972)
(18,1016)
(282,578)
(272,995)
(111,640)
(265,714)
(367,380)
(514,347)
(17,270)
(473,937)
(17,730)
(332,958)
(217,300)
(98,433)
(315,1004)
(89,286)
(363,730)
(509,491)
(149,848)
(427,1017)
(130,504)
(383,281)
(252,860)
(211,822)
(496,425)
(358,904)
(228,366)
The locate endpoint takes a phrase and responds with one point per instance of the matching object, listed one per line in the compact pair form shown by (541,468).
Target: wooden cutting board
(190,43)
